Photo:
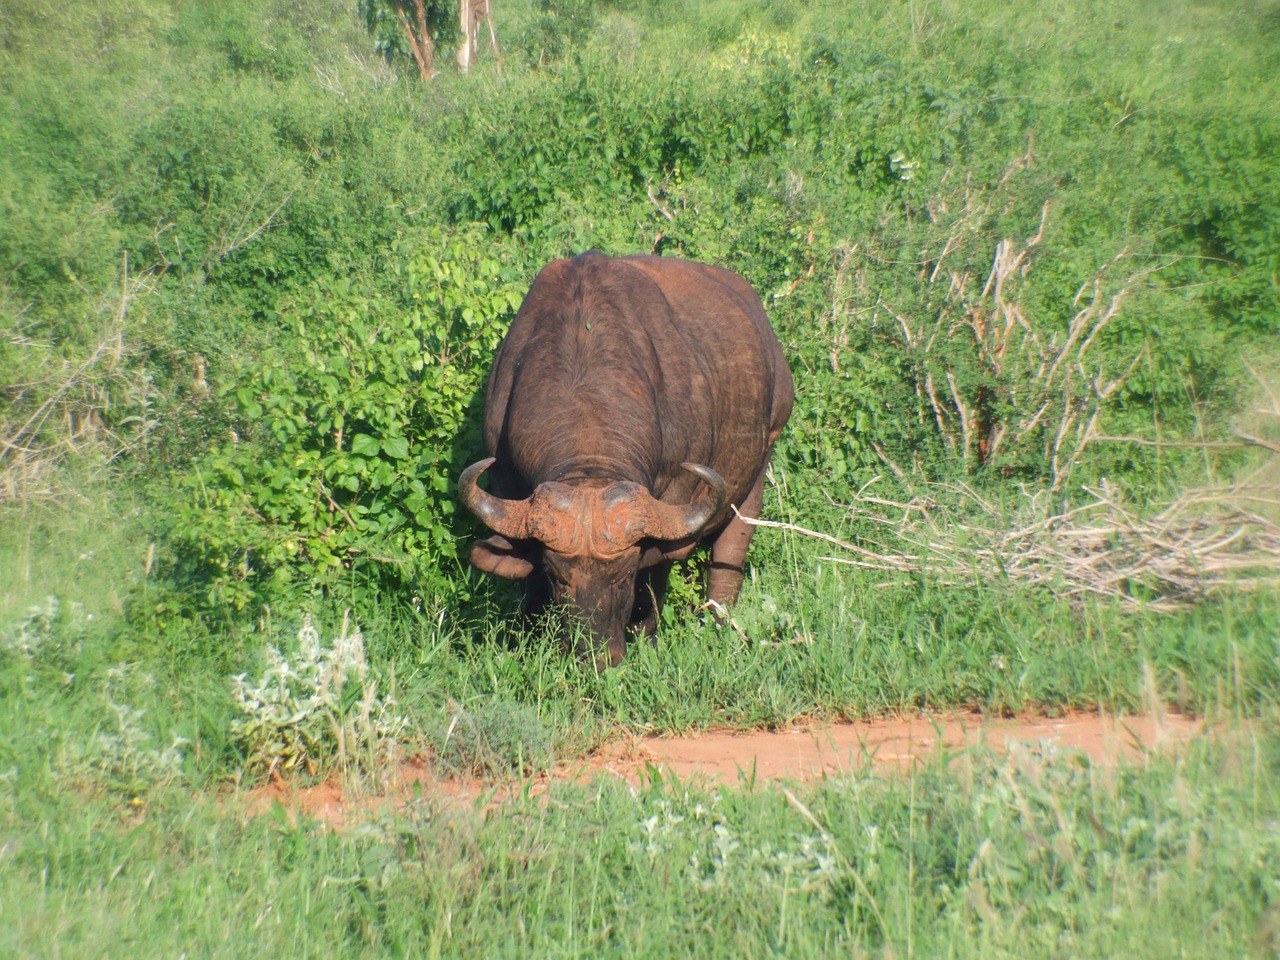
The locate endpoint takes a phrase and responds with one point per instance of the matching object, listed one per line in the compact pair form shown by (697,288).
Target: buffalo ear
(501,558)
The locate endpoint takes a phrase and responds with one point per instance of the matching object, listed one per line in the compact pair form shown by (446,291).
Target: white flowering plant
(124,754)
(320,703)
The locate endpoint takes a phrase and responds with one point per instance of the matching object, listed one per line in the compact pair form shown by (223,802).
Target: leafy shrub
(123,753)
(52,632)
(558,27)
(352,433)
(590,130)
(295,716)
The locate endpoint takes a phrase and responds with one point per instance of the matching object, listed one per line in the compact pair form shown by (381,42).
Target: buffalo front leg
(729,551)
(651,590)
(537,595)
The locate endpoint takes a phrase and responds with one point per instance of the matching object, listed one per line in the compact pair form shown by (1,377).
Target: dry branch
(997,378)
(1250,439)
(57,413)
(1163,557)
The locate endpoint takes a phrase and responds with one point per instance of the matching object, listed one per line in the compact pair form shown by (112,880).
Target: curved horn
(510,518)
(668,521)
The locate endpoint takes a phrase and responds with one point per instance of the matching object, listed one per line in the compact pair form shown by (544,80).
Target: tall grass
(1033,855)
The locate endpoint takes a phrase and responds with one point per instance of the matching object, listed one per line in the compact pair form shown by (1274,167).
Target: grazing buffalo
(632,404)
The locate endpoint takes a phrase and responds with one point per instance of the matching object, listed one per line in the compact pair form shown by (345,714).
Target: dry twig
(56,413)
(997,379)
(1162,558)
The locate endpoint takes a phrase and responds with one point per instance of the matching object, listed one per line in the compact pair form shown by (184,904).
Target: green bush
(556,29)
(351,434)
(259,163)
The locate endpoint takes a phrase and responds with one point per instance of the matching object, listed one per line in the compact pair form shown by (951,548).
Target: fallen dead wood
(1164,556)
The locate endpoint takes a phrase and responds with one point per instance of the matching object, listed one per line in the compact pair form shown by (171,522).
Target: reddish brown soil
(792,755)
(803,754)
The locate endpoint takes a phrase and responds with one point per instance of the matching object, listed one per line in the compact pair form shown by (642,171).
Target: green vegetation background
(252,274)
(305,258)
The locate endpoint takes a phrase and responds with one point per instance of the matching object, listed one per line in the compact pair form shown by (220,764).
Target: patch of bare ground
(894,746)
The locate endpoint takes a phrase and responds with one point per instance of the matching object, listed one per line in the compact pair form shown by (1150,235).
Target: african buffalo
(632,403)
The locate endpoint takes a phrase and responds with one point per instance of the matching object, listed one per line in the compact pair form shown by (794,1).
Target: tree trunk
(423,47)
(493,34)
(466,34)
(470,13)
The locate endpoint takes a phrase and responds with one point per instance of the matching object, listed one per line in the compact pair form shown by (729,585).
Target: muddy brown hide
(634,402)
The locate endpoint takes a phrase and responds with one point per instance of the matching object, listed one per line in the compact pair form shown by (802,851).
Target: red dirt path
(803,754)
(790,755)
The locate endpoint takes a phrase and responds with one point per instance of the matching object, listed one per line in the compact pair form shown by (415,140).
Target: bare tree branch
(1162,557)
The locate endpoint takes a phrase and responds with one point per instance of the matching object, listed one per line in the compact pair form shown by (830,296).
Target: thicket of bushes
(274,265)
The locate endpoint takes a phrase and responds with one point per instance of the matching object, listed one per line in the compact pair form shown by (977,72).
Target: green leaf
(364,445)
(397,448)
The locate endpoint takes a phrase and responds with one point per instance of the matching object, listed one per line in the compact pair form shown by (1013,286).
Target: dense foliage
(351,431)
(1024,261)
(985,245)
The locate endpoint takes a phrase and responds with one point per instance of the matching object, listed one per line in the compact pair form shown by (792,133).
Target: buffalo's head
(589,541)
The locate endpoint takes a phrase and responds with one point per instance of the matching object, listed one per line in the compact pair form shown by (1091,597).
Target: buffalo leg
(537,594)
(729,552)
(651,591)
